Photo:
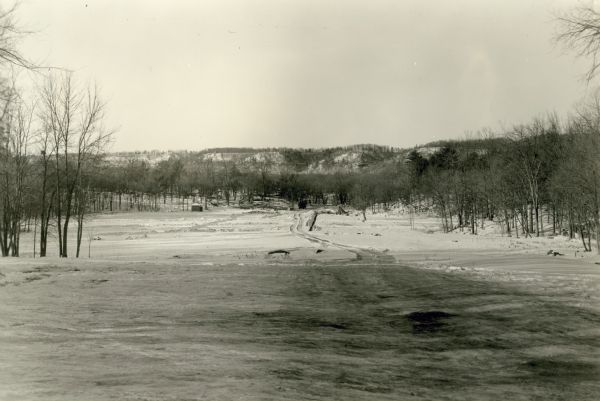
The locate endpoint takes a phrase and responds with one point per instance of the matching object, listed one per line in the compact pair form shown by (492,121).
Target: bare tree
(263,164)
(14,171)
(47,190)
(75,120)
(10,33)
(585,178)
(579,31)
(15,127)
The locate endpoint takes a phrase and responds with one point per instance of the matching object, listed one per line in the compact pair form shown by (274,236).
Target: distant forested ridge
(300,160)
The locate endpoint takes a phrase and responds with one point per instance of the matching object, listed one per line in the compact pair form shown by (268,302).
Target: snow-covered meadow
(248,304)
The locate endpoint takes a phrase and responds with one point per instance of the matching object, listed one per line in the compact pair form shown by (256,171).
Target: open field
(181,306)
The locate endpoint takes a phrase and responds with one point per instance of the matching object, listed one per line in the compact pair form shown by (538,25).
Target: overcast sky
(308,73)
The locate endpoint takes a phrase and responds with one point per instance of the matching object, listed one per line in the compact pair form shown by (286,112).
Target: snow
(173,305)
(223,235)
(351,159)
(489,255)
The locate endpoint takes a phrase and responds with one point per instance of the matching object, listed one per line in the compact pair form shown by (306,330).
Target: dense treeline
(537,179)
(188,176)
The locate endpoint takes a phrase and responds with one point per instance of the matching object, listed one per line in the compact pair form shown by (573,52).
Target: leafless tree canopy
(579,31)
(9,36)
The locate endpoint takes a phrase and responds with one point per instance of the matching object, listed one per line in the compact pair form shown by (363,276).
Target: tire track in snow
(297,228)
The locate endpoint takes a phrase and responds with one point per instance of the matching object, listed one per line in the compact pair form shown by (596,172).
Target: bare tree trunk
(44,224)
(79,233)
(312,221)
(59,209)
(67,220)
(597,238)
(34,234)
(581,233)
(537,220)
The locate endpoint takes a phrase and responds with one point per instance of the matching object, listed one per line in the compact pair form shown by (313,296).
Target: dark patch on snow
(428,321)
(279,251)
